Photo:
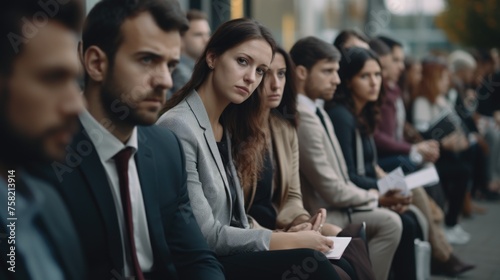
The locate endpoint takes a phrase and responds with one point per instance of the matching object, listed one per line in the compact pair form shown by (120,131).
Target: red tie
(121,160)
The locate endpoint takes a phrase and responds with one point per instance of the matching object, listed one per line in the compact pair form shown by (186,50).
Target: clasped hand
(396,201)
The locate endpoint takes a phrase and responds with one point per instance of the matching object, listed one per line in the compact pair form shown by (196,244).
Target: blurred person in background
(461,95)
(409,83)
(488,119)
(193,43)
(463,98)
(354,112)
(454,168)
(39,107)
(350,38)
(392,147)
(485,66)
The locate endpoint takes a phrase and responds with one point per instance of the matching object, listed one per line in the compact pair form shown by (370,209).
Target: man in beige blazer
(323,173)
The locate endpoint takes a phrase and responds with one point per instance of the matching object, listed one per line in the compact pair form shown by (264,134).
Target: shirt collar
(105,143)
(308,102)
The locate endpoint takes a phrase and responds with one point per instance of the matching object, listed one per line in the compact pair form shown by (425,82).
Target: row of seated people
(459,161)
(120,198)
(429,91)
(323,178)
(447,84)
(243,176)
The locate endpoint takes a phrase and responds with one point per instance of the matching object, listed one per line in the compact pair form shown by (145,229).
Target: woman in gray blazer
(224,78)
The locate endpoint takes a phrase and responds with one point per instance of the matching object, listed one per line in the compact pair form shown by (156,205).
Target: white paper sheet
(339,245)
(422,178)
(396,180)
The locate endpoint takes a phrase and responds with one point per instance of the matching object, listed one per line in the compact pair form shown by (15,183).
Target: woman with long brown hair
(355,111)
(279,122)
(214,114)
(274,199)
(454,170)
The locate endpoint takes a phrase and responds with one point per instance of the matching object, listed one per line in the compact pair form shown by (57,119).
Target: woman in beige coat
(283,190)
(273,199)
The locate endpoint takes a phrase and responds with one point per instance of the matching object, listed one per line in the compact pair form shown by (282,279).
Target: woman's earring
(211,67)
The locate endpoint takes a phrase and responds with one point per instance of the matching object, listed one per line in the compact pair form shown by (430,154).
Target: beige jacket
(286,154)
(323,172)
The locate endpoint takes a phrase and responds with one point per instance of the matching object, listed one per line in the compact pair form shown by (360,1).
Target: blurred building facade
(409,21)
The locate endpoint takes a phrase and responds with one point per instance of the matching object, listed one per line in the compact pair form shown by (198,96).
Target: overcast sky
(402,7)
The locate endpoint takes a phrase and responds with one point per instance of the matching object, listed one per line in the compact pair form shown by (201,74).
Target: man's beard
(118,109)
(16,149)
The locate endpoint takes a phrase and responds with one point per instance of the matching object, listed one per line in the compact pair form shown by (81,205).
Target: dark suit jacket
(54,223)
(345,125)
(489,95)
(179,249)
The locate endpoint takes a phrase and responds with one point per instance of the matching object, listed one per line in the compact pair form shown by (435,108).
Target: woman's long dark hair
(229,35)
(347,34)
(288,105)
(243,121)
(433,68)
(352,62)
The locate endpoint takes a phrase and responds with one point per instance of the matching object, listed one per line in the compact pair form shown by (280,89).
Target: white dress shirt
(107,146)
(425,112)
(311,104)
(400,118)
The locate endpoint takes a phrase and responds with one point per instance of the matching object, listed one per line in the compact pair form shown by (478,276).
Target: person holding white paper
(324,180)
(232,66)
(354,113)
(274,200)
(457,154)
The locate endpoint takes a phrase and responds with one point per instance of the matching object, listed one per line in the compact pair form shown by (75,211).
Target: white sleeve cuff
(415,156)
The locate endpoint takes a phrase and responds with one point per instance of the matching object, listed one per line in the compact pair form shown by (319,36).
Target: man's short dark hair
(103,24)
(309,50)
(391,43)
(379,47)
(346,34)
(20,20)
(196,15)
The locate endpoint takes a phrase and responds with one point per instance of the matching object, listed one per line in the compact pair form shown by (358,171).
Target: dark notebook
(440,128)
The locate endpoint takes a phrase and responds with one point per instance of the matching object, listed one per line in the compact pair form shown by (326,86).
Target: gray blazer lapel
(239,190)
(196,105)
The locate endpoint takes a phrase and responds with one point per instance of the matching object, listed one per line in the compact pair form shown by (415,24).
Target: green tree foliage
(474,23)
